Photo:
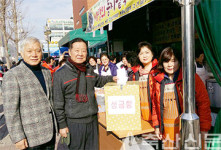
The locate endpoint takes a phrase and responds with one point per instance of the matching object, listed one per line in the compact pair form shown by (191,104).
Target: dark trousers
(47,146)
(84,136)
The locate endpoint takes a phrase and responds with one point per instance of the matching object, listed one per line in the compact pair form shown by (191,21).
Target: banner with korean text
(122,103)
(106,11)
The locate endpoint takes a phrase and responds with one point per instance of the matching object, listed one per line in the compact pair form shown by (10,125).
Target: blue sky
(36,12)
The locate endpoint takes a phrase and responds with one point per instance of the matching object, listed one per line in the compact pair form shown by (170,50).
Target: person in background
(1,65)
(122,67)
(147,66)
(107,68)
(93,63)
(123,62)
(5,68)
(63,56)
(74,99)
(49,62)
(61,61)
(168,101)
(200,67)
(60,64)
(1,72)
(99,62)
(27,100)
(131,62)
(113,59)
(1,77)
(13,64)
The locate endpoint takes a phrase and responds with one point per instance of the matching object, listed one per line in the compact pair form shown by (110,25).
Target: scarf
(122,66)
(80,98)
(105,69)
(142,71)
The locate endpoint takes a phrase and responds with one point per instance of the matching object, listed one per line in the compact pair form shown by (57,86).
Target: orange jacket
(44,64)
(150,81)
(201,100)
(136,69)
(56,68)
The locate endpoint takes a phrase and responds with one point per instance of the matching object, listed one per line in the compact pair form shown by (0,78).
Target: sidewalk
(5,143)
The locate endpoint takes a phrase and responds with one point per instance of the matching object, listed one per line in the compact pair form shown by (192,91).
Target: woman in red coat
(142,73)
(168,100)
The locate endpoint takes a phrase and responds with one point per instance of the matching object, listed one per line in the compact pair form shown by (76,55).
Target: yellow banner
(106,11)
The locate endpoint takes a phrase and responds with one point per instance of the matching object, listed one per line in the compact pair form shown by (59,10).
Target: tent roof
(55,53)
(79,33)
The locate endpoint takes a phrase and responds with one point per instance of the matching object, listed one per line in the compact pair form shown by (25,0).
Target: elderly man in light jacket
(27,100)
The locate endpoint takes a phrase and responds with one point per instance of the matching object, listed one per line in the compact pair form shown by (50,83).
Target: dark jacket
(201,99)
(64,88)
(112,67)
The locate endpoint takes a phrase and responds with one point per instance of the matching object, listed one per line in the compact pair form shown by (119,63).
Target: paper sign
(121,105)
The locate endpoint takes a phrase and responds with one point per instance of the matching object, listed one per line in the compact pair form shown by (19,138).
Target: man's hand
(203,134)
(23,144)
(158,134)
(63,132)
(115,78)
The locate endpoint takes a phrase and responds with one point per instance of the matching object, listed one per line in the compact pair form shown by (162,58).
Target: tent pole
(190,127)
(108,46)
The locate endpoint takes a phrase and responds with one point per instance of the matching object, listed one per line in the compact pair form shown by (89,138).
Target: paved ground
(6,143)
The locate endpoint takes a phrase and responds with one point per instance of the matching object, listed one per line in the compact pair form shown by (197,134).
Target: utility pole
(47,32)
(190,127)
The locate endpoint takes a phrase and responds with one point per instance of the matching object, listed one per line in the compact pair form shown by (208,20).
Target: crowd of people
(41,100)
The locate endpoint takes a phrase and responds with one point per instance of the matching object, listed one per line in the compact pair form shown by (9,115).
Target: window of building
(81,11)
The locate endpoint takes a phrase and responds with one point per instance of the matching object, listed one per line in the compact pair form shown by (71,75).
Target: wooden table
(113,140)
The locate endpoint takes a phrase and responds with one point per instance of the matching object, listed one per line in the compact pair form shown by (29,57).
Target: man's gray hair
(29,40)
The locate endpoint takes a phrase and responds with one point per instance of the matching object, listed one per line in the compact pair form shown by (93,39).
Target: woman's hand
(158,134)
(115,78)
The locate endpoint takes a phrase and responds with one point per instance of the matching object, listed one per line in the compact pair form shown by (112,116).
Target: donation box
(122,103)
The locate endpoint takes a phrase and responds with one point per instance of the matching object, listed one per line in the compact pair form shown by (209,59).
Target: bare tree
(15,22)
(11,25)
(4,4)
(17,28)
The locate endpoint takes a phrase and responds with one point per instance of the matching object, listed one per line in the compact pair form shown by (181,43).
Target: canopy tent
(208,23)
(55,53)
(79,33)
(63,49)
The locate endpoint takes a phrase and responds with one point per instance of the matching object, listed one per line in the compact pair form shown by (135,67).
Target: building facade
(59,28)
(79,8)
